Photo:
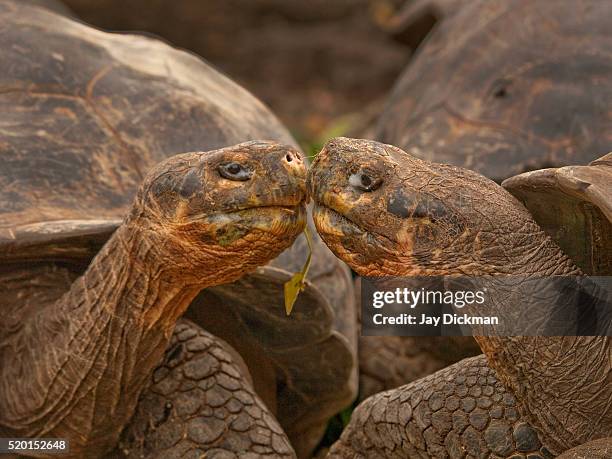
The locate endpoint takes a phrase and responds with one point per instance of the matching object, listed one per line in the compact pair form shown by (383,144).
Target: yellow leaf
(296,284)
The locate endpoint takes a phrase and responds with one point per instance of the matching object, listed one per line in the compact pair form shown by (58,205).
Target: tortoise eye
(364,181)
(235,171)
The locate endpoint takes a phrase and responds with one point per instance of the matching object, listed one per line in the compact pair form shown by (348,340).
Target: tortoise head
(225,211)
(386,212)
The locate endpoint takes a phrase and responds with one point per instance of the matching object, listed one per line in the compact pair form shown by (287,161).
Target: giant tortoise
(499,87)
(387,213)
(94,274)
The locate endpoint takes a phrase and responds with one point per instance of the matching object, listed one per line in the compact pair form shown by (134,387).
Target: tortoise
(506,87)
(386,212)
(501,96)
(86,116)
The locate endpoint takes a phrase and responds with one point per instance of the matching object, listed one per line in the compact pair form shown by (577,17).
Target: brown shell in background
(83,115)
(311,61)
(573,204)
(387,362)
(506,87)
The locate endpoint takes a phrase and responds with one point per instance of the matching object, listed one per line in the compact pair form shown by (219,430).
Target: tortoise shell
(83,115)
(573,204)
(507,87)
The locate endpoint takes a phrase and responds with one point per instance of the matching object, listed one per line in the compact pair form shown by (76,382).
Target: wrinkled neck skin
(76,369)
(563,382)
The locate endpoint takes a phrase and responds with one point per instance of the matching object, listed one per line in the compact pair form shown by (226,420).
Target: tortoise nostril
(293,156)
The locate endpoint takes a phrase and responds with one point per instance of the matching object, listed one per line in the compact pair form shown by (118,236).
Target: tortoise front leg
(458,412)
(201,401)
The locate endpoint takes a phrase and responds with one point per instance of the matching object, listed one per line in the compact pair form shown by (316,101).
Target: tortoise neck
(560,380)
(131,278)
(523,249)
(107,334)
(543,257)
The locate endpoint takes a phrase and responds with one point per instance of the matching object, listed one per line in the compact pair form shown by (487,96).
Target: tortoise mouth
(289,210)
(278,216)
(335,224)
(274,225)
(330,221)
(233,227)
(281,209)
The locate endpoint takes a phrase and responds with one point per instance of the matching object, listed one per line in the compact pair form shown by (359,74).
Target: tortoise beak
(310,177)
(309,187)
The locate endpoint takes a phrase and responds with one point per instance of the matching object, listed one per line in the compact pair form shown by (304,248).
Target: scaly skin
(462,410)
(427,219)
(201,401)
(76,368)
